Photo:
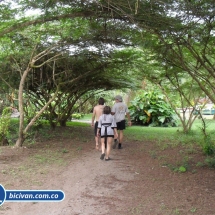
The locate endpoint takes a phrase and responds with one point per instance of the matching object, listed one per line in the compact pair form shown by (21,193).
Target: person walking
(120,110)
(107,129)
(97,112)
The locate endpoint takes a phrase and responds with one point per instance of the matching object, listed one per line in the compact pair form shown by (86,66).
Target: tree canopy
(74,47)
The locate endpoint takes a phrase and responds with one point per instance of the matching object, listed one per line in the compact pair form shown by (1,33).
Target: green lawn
(173,135)
(87,117)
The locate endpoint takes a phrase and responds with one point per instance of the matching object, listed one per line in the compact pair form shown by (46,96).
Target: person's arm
(93,117)
(99,127)
(129,118)
(115,133)
(113,110)
(98,132)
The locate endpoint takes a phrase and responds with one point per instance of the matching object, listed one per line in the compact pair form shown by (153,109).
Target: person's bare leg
(115,141)
(120,139)
(103,145)
(103,148)
(120,136)
(109,144)
(97,143)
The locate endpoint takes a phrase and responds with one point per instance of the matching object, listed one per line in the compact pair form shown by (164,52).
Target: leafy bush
(77,115)
(208,145)
(5,123)
(150,108)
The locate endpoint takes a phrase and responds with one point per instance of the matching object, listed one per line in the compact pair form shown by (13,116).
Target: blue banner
(30,195)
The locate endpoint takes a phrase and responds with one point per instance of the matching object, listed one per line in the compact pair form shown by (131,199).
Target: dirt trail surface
(86,182)
(136,181)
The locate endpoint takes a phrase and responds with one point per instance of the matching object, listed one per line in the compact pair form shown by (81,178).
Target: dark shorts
(108,136)
(96,127)
(121,125)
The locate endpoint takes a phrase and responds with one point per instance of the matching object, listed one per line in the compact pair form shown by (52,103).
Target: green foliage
(210,161)
(5,123)
(77,115)
(174,42)
(182,169)
(150,108)
(77,124)
(38,124)
(208,145)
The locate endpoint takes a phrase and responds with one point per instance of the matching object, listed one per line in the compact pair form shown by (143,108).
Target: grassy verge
(87,117)
(173,148)
(173,135)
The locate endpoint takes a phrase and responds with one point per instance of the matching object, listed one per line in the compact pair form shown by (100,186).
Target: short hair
(107,110)
(101,101)
(119,98)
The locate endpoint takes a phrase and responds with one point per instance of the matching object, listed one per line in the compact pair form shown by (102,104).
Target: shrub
(77,115)
(5,123)
(150,108)
(208,145)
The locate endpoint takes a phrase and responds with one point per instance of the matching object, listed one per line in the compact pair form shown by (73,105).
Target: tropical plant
(150,108)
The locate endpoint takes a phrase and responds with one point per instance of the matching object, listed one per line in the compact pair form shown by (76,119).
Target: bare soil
(142,178)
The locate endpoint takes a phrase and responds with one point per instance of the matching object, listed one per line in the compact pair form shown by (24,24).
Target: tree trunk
(5,142)
(63,123)
(52,124)
(20,141)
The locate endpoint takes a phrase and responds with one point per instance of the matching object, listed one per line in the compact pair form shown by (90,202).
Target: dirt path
(140,179)
(89,185)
